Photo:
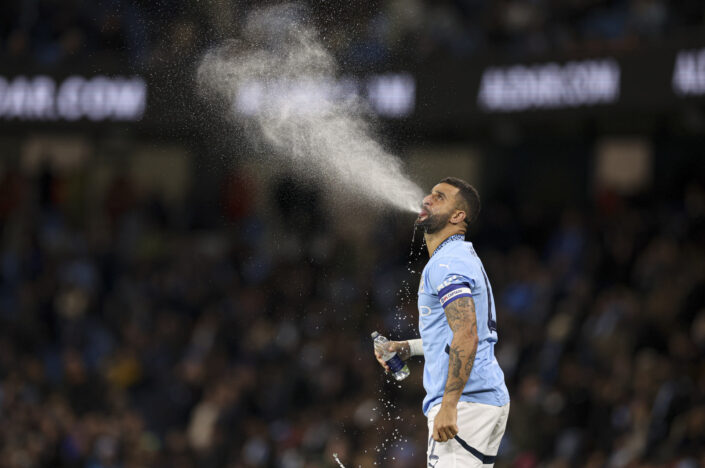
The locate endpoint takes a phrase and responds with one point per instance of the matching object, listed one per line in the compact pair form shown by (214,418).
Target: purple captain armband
(453,292)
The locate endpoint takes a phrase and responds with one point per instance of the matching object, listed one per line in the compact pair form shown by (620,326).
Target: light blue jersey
(453,271)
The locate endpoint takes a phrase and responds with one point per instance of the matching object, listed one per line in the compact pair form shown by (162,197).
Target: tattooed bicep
(461,314)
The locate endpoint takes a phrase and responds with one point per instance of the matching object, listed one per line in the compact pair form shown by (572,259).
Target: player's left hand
(445,424)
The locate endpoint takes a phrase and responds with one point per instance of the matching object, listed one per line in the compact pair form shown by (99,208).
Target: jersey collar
(454,237)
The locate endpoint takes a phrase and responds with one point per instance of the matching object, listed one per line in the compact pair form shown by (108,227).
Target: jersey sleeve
(453,278)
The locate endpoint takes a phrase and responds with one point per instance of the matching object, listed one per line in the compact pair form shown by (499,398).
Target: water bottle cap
(374,334)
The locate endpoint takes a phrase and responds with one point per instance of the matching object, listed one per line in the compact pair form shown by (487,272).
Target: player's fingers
(383,364)
(448,434)
(441,434)
(381,361)
(449,431)
(436,432)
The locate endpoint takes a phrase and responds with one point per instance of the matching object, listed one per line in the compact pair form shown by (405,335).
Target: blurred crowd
(139,332)
(141,33)
(132,336)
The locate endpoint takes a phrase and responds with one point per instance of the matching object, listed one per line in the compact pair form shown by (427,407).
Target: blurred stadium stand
(52,32)
(164,302)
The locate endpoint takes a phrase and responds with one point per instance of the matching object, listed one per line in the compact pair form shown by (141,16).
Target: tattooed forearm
(471,360)
(455,381)
(455,361)
(461,355)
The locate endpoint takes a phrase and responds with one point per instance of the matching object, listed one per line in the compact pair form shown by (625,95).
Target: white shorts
(481,428)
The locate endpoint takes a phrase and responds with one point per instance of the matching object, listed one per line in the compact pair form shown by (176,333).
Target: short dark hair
(468,196)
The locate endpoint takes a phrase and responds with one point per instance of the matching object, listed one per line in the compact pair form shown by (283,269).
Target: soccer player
(467,403)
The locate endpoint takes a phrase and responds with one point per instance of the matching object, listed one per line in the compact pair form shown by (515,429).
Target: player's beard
(433,223)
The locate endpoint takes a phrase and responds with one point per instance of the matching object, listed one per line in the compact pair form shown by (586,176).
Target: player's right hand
(402,349)
(379,357)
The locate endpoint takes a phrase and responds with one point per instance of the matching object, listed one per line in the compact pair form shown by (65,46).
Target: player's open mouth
(423,214)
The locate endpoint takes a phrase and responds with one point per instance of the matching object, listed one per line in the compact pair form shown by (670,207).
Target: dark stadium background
(168,298)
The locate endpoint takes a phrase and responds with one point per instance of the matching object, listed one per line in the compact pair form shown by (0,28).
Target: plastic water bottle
(399,369)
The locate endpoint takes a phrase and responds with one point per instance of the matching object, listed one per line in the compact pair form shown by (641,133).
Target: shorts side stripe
(485,459)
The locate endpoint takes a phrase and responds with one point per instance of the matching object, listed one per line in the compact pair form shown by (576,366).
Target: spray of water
(280,82)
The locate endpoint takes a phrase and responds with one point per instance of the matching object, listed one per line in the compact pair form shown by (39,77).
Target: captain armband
(416,347)
(453,292)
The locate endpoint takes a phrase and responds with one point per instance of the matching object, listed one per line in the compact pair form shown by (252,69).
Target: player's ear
(458,217)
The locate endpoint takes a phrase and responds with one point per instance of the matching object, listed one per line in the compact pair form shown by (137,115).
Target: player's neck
(435,239)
